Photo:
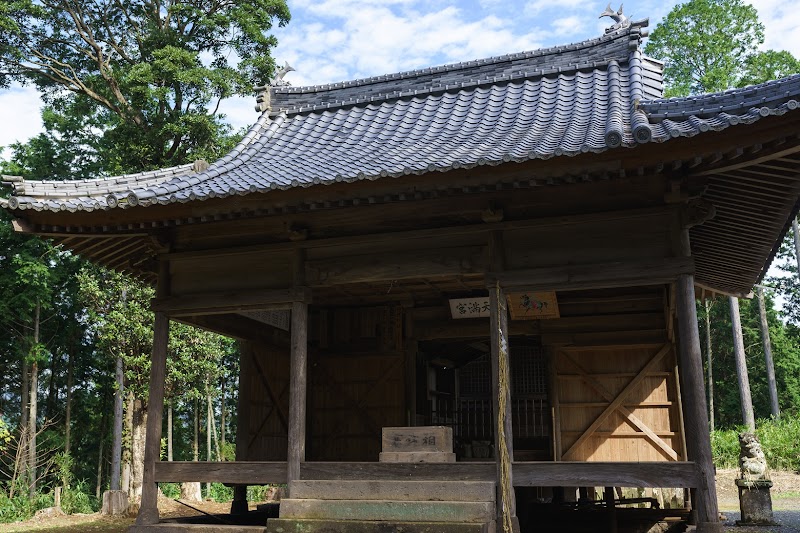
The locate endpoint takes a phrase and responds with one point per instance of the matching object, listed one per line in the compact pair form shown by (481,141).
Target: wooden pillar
(698,436)
(297,390)
(773,387)
(148,512)
(507,521)
(741,366)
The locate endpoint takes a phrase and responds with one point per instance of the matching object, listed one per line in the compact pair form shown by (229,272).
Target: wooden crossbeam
(230,301)
(632,418)
(617,402)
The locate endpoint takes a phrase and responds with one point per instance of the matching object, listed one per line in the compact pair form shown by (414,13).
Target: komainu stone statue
(752,463)
(755,501)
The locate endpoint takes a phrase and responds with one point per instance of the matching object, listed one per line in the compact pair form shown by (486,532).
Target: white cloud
(20,116)
(782,22)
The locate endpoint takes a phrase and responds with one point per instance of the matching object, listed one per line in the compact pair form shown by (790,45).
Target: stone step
(290,525)
(405,490)
(385,510)
(417,457)
(195,528)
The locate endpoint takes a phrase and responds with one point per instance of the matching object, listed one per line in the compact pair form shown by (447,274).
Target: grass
(780,440)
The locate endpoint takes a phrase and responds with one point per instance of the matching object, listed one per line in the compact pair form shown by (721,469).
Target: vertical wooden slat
(501,399)
(297,390)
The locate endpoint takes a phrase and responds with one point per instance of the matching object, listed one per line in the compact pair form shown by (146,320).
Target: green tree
(150,72)
(769,65)
(705,44)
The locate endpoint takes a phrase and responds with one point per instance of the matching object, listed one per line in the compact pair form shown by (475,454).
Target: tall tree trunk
(773,388)
(99,486)
(213,421)
(796,244)
(709,370)
(50,403)
(190,490)
(209,422)
(103,422)
(126,449)
(68,407)
(222,420)
(169,432)
(741,366)
(116,446)
(137,449)
(196,439)
(24,393)
(32,403)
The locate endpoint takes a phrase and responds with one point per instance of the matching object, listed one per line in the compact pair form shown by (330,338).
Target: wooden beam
(750,162)
(526,474)
(395,266)
(229,472)
(632,418)
(230,301)
(619,400)
(424,234)
(597,275)
(469,328)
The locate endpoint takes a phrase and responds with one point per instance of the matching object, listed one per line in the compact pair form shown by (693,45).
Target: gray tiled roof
(592,96)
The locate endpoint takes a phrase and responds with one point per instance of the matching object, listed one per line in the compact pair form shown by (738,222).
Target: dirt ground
(785,500)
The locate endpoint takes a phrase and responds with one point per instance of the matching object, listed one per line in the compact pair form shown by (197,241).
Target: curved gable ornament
(620,20)
(263,97)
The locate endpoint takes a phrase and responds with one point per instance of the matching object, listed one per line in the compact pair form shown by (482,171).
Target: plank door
(264,382)
(351,397)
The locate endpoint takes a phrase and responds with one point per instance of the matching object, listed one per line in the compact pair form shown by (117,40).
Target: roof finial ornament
(263,96)
(620,20)
(278,80)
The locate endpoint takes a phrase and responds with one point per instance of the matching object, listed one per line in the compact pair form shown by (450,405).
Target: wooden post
(148,512)
(773,388)
(741,366)
(698,440)
(507,521)
(297,391)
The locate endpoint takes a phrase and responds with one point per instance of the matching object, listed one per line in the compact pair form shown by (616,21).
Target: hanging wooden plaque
(533,305)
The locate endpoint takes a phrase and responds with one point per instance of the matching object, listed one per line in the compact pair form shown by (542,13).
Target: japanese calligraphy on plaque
(533,305)
(470,307)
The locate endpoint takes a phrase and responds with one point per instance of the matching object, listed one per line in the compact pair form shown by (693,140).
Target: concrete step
(455,491)
(290,525)
(386,510)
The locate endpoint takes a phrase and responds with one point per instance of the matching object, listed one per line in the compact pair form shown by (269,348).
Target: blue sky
(334,40)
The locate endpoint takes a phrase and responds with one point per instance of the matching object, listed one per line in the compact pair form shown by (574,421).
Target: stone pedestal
(755,503)
(115,502)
